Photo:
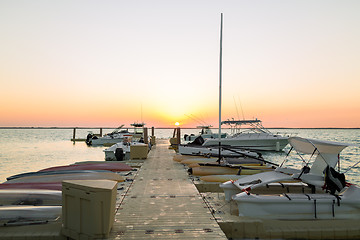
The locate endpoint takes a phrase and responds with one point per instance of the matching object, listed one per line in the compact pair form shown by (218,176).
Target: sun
(177,124)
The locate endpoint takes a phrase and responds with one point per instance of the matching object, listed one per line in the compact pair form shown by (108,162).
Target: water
(24,150)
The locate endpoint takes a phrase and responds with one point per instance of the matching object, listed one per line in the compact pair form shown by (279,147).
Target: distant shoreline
(162,128)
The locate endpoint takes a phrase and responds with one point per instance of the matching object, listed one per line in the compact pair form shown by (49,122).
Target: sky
(89,63)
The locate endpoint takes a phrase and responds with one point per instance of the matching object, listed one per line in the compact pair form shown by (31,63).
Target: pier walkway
(163,203)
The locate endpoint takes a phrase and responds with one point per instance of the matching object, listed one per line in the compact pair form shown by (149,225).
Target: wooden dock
(163,203)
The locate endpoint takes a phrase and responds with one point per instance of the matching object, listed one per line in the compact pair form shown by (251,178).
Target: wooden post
(100,132)
(174,132)
(152,131)
(146,141)
(178,136)
(74,133)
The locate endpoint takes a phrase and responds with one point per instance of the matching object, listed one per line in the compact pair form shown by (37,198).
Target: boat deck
(163,203)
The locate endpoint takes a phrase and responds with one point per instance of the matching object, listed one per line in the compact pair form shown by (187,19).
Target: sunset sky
(105,63)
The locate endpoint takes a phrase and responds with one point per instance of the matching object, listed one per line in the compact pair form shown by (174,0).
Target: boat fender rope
(282,185)
(315,208)
(287,196)
(333,208)
(309,198)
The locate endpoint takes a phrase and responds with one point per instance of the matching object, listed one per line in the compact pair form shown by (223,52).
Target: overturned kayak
(110,166)
(28,174)
(36,197)
(17,214)
(71,176)
(37,185)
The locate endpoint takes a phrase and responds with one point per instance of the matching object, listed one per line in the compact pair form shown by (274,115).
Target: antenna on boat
(220,83)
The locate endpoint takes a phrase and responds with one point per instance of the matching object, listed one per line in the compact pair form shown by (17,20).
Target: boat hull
(300,206)
(111,166)
(260,143)
(34,197)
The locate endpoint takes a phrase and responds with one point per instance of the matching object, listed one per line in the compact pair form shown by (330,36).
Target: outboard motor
(119,154)
(334,181)
(198,141)
(88,139)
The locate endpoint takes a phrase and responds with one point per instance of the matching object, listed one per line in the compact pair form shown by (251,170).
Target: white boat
(255,138)
(198,150)
(339,201)
(326,154)
(346,205)
(116,136)
(204,133)
(121,151)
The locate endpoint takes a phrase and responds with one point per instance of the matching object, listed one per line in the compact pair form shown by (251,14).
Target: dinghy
(339,201)
(121,151)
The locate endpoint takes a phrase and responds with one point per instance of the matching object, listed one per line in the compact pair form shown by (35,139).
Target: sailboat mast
(220,83)
(220,77)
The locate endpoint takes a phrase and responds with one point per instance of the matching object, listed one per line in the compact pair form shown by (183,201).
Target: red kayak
(110,166)
(39,185)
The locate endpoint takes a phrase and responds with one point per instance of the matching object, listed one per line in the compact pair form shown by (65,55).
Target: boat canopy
(307,146)
(327,153)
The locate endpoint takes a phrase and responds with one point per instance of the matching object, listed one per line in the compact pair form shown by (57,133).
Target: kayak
(12,214)
(220,170)
(249,161)
(111,166)
(27,174)
(38,185)
(221,178)
(34,197)
(71,176)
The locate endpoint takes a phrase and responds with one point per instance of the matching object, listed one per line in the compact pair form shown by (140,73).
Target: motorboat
(116,136)
(204,133)
(121,151)
(339,200)
(256,137)
(197,148)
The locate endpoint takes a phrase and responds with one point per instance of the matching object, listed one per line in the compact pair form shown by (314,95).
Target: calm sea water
(24,150)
